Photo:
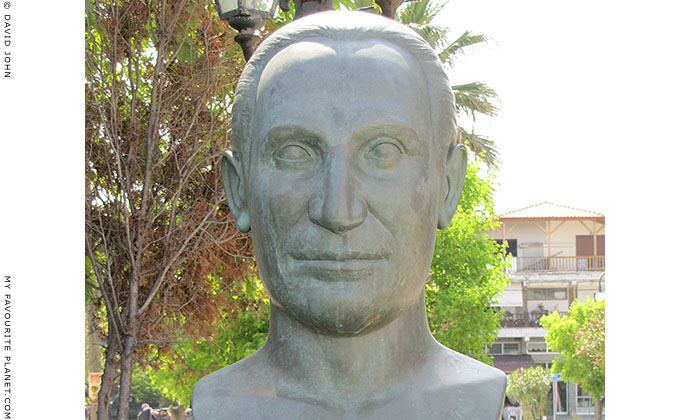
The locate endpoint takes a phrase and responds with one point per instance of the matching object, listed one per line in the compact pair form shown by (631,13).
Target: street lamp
(247,17)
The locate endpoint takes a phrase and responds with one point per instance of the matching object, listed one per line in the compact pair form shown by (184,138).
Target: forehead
(349,58)
(357,82)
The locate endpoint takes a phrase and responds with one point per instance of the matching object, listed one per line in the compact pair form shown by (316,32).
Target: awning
(509,364)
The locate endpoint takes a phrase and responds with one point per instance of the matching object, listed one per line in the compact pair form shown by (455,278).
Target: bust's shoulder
(238,385)
(468,371)
(243,372)
(446,385)
(477,388)
(251,385)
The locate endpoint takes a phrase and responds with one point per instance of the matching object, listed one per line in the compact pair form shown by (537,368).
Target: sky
(594,114)
(572,78)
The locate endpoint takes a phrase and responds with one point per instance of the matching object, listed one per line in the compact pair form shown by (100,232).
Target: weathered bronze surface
(345,163)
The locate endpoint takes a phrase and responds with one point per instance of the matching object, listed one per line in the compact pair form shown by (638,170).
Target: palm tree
(470,98)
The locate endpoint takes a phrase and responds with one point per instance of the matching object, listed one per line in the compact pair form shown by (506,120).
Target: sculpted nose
(338,208)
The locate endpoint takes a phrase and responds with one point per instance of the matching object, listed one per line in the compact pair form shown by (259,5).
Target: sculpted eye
(386,153)
(293,156)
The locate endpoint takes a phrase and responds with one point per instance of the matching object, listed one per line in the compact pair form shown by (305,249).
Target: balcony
(557,263)
(530,319)
(525,320)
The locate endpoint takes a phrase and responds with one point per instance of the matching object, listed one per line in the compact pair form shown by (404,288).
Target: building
(557,255)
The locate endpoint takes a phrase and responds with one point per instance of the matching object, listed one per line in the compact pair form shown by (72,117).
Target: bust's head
(345,162)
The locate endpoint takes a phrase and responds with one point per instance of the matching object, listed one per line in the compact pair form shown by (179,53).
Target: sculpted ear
(455,171)
(233,181)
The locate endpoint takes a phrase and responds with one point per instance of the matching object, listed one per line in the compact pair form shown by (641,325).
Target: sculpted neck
(333,368)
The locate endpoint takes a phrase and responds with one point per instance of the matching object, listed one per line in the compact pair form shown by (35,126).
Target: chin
(345,323)
(342,310)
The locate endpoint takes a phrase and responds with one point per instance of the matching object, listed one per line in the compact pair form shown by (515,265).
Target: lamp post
(247,17)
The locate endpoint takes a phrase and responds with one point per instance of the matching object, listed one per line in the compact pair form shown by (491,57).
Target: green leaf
(579,337)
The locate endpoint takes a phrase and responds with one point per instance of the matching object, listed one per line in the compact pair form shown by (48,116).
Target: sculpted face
(344,183)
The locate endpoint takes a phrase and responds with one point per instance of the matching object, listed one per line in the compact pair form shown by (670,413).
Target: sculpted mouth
(340,256)
(338,265)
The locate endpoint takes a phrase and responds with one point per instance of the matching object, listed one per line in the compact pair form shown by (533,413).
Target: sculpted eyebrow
(282,134)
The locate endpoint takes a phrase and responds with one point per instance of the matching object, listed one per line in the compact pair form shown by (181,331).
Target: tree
(159,84)
(579,337)
(470,98)
(467,273)
(236,334)
(163,251)
(530,387)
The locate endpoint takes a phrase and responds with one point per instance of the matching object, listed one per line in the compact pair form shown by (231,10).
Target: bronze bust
(345,163)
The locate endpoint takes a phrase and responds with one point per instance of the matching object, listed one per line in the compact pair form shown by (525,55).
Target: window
(511,247)
(547,294)
(505,348)
(511,348)
(537,345)
(561,399)
(511,252)
(591,259)
(584,401)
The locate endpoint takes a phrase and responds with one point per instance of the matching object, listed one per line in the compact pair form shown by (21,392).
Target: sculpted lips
(342,260)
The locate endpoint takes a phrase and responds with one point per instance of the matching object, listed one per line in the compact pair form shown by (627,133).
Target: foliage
(467,273)
(355,5)
(161,248)
(159,84)
(143,389)
(530,387)
(591,340)
(237,334)
(579,337)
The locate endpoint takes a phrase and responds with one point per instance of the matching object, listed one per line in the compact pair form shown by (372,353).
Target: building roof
(548,210)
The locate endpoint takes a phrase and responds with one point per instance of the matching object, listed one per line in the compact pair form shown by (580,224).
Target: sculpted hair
(339,26)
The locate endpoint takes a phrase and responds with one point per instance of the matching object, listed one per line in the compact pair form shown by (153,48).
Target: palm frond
(420,12)
(434,35)
(456,47)
(475,98)
(480,146)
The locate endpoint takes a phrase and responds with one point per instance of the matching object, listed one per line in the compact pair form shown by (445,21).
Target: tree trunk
(132,326)
(126,370)
(109,371)
(598,407)
(95,365)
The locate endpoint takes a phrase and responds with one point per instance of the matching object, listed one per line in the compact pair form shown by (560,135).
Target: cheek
(409,205)
(409,209)
(275,205)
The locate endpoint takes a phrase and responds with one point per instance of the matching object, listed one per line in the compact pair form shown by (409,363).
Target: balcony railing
(557,263)
(526,319)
